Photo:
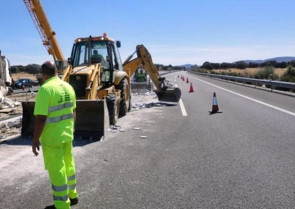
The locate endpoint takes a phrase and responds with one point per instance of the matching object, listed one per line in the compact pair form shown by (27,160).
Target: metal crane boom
(44,29)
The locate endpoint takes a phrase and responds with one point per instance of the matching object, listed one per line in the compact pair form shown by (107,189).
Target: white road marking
(183,111)
(182,108)
(246,97)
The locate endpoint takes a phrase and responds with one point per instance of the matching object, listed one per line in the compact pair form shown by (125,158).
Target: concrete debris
(8,103)
(2,125)
(11,106)
(10,124)
(114,128)
(4,129)
(140,106)
(10,128)
(6,110)
(18,125)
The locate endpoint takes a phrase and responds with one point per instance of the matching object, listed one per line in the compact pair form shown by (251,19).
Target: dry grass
(280,71)
(250,71)
(17,76)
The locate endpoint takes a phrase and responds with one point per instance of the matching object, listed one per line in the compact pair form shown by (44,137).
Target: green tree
(266,73)
(253,65)
(289,75)
(33,69)
(207,65)
(225,65)
(241,65)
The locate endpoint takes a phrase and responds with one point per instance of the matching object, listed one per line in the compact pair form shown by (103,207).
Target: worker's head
(95,52)
(48,70)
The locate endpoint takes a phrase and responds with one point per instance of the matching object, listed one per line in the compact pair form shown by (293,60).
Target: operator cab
(100,49)
(88,52)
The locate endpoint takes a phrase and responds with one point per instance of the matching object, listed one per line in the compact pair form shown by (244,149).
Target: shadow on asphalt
(22,141)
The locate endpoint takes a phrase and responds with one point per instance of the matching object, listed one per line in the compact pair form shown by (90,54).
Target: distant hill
(277,59)
(186,66)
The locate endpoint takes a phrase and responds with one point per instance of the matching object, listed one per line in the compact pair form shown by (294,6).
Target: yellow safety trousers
(59,161)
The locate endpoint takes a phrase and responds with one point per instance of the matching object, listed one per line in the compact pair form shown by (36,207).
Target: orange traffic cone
(215,108)
(187,80)
(191,89)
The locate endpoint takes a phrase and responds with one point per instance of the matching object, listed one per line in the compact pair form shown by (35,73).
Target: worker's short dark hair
(48,68)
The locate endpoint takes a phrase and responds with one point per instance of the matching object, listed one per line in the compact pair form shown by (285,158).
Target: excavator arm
(144,59)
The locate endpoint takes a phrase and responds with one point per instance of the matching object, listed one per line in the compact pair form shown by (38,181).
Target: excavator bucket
(169,95)
(92,120)
(28,119)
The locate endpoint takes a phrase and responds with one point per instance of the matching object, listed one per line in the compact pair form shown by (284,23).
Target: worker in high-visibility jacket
(54,128)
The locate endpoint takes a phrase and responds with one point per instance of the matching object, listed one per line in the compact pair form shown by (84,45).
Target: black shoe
(50,207)
(74,201)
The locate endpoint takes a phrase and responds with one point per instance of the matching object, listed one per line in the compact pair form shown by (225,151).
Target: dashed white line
(249,98)
(182,108)
(183,111)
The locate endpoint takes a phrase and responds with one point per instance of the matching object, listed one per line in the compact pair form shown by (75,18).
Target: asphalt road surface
(175,156)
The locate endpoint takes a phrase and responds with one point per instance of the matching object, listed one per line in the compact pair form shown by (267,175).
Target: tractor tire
(125,103)
(112,108)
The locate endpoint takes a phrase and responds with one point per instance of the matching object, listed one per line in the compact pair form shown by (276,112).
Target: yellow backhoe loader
(100,80)
(144,60)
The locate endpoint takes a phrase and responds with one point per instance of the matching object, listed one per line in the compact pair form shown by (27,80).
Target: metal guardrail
(271,83)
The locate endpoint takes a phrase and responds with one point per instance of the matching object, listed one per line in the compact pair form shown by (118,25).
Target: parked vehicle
(24,82)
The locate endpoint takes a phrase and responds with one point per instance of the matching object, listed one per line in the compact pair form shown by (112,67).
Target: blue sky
(175,32)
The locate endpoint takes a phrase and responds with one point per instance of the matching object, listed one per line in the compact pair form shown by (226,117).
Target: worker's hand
(35,147)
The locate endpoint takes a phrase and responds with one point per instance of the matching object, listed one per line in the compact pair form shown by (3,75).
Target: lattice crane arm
(47,35)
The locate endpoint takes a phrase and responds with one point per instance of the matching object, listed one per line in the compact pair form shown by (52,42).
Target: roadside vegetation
(30,71)
(267,72)
(289,75)
(284,71)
